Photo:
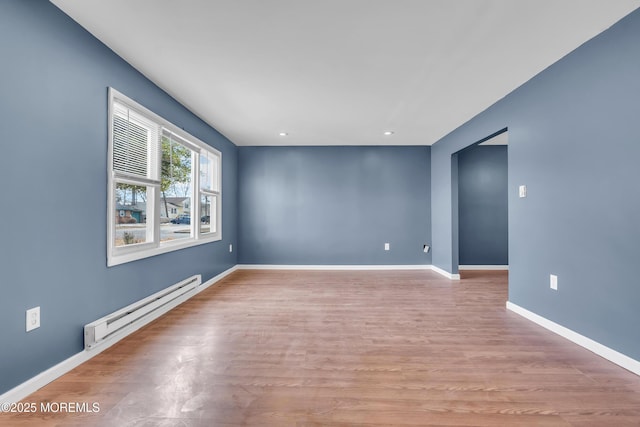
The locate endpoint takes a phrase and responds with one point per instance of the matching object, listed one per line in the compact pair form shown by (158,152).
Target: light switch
(523,191)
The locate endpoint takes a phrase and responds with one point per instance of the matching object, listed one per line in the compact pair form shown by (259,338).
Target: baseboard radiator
(138,314)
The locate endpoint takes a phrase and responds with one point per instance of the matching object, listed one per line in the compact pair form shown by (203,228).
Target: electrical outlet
(553,282)
(386,246)
(230,247)
(33,318)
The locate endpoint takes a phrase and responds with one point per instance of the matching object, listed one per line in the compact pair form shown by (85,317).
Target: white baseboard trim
(332,267)
(32,385)
(445,273)
(349,268)
(343,267)
(601,350)
(217,278)
(484,267)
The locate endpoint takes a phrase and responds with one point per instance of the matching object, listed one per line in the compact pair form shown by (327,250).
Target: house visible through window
(164,186)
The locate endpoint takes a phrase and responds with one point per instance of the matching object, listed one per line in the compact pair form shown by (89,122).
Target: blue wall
(334,205)
(53,104)
(574,140)
(483,205)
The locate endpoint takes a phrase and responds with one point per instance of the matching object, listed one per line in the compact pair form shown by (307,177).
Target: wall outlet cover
(33,318)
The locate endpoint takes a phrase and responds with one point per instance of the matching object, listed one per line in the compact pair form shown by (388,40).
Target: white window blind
(135,143)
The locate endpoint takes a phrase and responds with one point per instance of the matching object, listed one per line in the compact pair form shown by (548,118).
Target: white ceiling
(341,72)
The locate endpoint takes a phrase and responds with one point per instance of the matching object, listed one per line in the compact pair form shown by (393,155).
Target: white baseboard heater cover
(138,314)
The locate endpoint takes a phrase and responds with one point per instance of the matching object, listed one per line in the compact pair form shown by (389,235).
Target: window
(164,185)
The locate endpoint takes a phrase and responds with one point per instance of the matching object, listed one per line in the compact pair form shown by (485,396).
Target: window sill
(133,255)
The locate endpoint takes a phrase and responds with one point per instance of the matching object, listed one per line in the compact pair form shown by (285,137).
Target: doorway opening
(481,227)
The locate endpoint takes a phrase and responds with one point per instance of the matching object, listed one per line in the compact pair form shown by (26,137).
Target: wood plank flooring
(318,348)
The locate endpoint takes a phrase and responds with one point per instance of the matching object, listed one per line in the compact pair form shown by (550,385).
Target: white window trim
(124,254)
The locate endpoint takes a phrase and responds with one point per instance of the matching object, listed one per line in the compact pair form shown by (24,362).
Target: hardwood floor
(294,348)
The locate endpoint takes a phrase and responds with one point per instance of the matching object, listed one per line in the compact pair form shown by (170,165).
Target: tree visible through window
(176,186)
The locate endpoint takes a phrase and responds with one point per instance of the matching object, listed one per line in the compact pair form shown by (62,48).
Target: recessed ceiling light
(388,132)
(283,134)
